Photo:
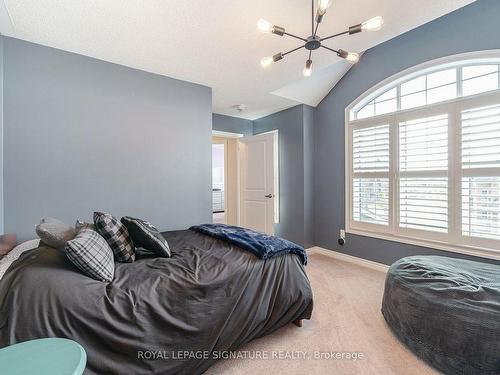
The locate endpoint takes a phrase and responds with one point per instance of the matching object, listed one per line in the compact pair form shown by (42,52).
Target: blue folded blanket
(262,245)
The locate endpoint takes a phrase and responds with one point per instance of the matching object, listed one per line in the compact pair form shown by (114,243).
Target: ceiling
(216,43)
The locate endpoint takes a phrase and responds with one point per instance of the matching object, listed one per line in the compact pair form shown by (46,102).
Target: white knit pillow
(15,253)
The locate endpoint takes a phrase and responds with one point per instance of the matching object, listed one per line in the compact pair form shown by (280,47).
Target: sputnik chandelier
(314,41)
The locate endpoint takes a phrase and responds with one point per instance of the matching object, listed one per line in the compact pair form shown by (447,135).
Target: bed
(208,298)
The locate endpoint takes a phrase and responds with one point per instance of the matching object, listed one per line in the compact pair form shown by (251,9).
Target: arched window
(423,156)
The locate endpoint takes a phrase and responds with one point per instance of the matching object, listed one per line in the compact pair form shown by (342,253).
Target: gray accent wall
(81,135)
(231,124)
(1,136)
(309,118)
(472,28)
(294,128)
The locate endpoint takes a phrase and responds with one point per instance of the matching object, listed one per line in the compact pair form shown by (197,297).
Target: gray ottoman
(447,311)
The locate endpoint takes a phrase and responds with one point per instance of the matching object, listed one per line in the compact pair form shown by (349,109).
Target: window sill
(461,249)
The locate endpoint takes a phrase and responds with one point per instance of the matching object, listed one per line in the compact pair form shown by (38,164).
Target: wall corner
(1,132)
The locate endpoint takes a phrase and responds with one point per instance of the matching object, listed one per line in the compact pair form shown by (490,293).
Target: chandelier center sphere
(312,43)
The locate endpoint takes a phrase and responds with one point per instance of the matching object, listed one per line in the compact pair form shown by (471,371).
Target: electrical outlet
(342,234)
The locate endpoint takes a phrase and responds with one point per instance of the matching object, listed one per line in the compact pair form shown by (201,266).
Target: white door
(257,182)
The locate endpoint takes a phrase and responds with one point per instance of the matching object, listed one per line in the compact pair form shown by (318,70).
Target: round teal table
(50,356)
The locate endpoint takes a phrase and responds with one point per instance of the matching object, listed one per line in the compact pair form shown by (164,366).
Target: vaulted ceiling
(216,43)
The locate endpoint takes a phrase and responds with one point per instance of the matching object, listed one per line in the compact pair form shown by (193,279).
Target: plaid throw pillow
(91,254)
(116,235)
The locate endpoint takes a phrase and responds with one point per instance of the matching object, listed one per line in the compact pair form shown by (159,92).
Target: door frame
(276,168)
(216,140)
(227,137)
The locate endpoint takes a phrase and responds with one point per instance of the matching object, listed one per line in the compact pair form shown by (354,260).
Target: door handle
(269,196)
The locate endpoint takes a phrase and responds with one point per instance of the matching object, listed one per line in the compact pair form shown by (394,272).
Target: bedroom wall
(81,135)
(474,27)
(231,124)
(293,156)
(309,118)
(1,136)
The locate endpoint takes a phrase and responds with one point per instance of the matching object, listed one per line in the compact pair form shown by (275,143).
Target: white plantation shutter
(371,149)
(370,183)
(423,144)
(423,172)
(481,172)
(481,137)
(371,200)
(481,207)
(424,204)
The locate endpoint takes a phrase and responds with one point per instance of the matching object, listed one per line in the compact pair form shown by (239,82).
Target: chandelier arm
(335,35)
(312,17)
(295,36)
(316,29)
(330,49)
(293,50)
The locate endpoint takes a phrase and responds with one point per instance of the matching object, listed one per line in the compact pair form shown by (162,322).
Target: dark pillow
(116,235)
(141,252)
(146,236)
(91,254)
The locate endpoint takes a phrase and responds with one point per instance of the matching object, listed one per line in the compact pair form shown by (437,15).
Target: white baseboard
(348,258)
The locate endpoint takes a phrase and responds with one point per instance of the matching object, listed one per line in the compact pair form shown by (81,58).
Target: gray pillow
(80,225)
(54,232)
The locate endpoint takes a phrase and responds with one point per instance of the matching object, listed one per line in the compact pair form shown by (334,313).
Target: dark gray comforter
(208,297)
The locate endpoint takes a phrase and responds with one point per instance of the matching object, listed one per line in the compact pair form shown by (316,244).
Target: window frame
(454,240)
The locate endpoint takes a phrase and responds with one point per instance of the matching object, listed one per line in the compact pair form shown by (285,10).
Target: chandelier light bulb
(266,61)
(323,5)
(264,26)
(373,24)
(308,69)
(352,57)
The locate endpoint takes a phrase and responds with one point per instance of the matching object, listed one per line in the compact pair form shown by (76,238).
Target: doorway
(225,208)
(245,180)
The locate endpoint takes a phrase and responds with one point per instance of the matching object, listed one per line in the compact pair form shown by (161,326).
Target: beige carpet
(346,318)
